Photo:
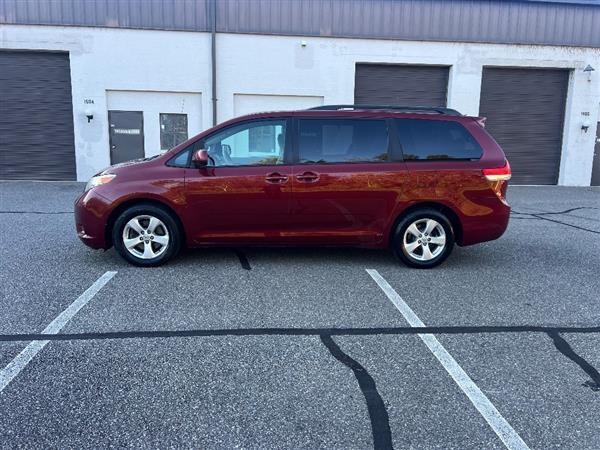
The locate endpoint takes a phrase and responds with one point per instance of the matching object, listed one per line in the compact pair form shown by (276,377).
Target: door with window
(245,191)
(338,193)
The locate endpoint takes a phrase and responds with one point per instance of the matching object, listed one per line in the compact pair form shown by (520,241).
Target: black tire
(168,228)
(420,217)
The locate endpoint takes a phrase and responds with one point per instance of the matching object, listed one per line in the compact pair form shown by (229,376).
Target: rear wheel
(423,238)
(146,235)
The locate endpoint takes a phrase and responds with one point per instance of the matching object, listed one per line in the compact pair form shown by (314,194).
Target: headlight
(99,180)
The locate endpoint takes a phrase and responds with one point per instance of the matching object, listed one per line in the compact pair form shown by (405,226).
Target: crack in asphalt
(378,415)
(565,348)
(566,211)
(548,213)
(567,224)
(297,332)
(541,216)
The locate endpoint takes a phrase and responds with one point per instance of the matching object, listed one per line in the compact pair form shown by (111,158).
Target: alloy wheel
(145,237)
(424,239)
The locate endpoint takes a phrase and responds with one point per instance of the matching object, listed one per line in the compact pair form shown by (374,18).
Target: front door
(244,193)
(596,166)
(344,188)
(126,132)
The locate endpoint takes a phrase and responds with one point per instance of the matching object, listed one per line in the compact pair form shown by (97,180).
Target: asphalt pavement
(301,348)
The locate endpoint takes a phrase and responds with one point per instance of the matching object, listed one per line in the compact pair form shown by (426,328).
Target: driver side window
(259,142)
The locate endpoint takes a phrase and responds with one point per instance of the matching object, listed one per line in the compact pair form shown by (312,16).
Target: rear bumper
(486,227)
(91,215)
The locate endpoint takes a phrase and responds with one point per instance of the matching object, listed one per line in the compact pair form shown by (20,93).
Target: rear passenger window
(436,140)
(342,140)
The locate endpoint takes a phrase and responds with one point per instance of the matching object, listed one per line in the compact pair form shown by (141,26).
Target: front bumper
(91,217)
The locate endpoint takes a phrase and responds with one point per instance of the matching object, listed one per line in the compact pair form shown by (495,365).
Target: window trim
(296,146)
(395,150)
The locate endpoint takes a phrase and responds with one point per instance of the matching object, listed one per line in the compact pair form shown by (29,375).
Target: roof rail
(425,109)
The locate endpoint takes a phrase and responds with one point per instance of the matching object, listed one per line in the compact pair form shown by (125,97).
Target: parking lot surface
(301,348)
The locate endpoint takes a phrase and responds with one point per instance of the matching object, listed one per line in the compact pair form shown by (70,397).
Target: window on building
(249,143)
(436,140)
(342,140)
(173,130)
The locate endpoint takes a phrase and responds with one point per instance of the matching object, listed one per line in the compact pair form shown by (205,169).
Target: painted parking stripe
(22,359)
(499,424)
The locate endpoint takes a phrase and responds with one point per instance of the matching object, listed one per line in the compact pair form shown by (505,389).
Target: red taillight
(498,173)
(498,178)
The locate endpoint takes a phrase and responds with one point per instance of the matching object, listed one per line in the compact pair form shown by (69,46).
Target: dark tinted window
(342,140)
(436,140)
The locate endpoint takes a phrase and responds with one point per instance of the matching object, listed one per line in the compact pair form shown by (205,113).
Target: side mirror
(200,158)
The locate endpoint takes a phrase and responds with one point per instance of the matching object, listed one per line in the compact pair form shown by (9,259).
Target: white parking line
(501,427)
(22,359)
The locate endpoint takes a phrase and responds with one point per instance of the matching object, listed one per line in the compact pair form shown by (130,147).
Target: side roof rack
(407,109)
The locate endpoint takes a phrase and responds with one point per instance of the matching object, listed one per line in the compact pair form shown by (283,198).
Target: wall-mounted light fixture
(585,126)
(303,44)
(588,69)
(89,114)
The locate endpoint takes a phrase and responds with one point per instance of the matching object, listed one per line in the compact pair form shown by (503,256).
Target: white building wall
(277,68)
(252,103)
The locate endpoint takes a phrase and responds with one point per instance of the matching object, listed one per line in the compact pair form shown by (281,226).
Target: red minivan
(416,180)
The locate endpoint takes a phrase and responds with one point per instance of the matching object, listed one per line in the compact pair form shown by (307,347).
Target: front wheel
(146,235)
(423,238)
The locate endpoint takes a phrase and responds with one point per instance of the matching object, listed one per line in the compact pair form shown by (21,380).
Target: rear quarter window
(436,140)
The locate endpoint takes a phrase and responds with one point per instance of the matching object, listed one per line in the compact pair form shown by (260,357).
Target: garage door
(525,113)
(389,84)
(36,116)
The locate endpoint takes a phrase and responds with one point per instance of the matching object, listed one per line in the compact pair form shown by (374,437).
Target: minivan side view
(416,180)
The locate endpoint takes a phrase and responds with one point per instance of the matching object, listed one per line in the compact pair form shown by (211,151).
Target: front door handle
(308,177)
(276,178)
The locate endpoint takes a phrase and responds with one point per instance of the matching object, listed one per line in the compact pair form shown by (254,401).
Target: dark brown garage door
(525,111)
(36,116)
(399,85)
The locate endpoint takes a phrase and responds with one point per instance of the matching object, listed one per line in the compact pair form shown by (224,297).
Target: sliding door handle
(308,177)
(276,178)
